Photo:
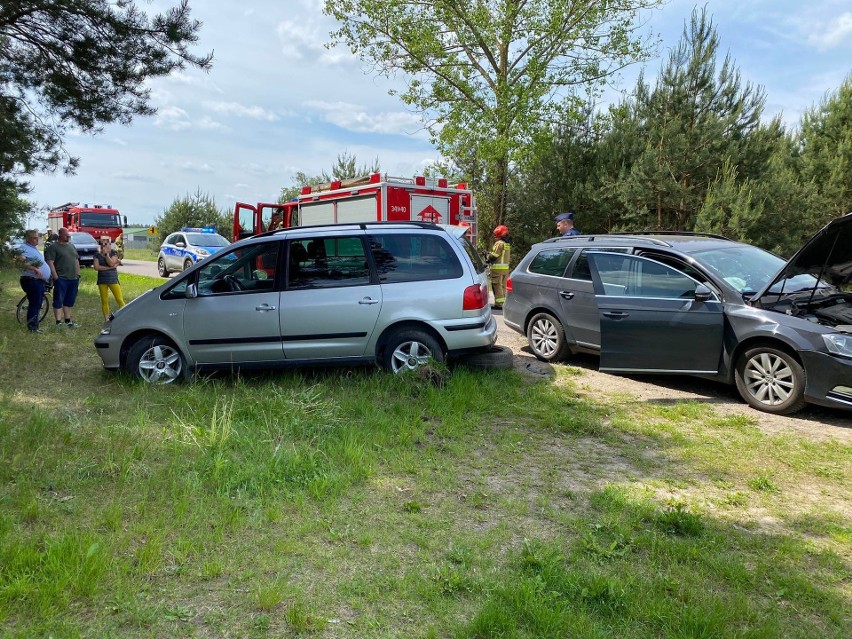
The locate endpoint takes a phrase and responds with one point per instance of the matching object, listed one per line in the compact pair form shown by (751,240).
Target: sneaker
(36,330)
(59,325)
(72,324)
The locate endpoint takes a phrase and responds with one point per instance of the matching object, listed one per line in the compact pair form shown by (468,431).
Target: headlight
(838,343)
(202,251)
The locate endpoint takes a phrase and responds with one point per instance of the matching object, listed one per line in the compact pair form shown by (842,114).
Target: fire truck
(96,220)
(371,198)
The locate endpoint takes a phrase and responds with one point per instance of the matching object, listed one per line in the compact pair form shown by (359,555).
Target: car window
(551,262)
(247,269)
(171,239)
(581,270)
(327,262)
(413,257)
(633,276)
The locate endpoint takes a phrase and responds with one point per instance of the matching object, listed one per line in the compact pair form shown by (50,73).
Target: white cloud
(131,177)
(241,111)
(354,118)
(172,117)
(194,167)
(828,34)
(305,40)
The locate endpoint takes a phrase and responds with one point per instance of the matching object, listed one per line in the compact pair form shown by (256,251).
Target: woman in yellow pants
(106,261)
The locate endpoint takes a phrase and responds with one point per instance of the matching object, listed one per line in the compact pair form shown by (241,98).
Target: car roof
(296,231)
(682,241)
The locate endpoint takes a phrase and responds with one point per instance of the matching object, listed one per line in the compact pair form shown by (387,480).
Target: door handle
(566,295)
(368,300)
(617,315)
(264,307)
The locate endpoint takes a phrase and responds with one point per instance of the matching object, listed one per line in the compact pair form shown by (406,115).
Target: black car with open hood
(815,283)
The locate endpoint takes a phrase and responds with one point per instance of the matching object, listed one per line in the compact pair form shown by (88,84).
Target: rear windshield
(414,257)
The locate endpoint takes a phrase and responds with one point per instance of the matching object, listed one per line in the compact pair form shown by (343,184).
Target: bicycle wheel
(24,305)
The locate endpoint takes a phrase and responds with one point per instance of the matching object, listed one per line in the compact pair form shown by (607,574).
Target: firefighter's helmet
(501,231)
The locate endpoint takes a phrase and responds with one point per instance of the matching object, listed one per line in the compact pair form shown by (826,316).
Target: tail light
(475,297)
(509,285)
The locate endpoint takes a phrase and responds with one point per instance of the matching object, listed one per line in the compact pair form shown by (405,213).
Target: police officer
(565,224)
(498,258)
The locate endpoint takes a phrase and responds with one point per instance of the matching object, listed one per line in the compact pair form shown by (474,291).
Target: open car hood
(827,256)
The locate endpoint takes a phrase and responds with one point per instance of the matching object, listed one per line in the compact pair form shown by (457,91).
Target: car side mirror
(703,293)
(191,291)
(180,244)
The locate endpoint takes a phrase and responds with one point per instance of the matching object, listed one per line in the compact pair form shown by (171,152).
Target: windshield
(748,269)
(82,238)
(206,239)
(100,220)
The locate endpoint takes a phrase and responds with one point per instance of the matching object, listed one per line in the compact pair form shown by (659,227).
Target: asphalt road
(139,267)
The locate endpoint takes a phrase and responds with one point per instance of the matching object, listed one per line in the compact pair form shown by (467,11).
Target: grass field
(351,503)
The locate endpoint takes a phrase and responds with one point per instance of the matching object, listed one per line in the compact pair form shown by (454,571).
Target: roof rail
(715,236)
(605,236)
(362,225)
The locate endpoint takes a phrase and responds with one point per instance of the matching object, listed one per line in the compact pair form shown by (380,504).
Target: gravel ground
(815,421)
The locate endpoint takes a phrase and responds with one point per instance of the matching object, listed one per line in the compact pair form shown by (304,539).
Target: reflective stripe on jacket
(500,252)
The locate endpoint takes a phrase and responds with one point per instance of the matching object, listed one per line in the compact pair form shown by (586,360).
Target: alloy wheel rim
(544,338)
(769,379)
(409,356)
(160,365)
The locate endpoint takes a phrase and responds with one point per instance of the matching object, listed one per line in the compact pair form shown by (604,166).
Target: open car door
(654,318)
(245,216)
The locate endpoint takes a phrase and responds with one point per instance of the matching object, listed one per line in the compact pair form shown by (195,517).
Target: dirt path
(815,421)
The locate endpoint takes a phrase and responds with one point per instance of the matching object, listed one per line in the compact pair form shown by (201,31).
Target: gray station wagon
(393,293)
(697,304)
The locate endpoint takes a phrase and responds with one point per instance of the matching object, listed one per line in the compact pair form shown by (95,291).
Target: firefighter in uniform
(498,258)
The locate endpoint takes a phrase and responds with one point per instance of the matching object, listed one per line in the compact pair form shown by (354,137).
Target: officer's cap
(564,216)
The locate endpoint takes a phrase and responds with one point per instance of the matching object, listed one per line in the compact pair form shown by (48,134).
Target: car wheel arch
(763,340)
(535,311)
(382,342)
(135,336)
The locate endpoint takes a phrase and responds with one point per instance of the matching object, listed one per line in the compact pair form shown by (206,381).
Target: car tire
(156,360)
(161,267)
(410,349)
(546,337)
(187,264)
(771,380)
(496,357)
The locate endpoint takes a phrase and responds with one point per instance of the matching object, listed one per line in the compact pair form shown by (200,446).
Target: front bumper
(829,379)
(108,348)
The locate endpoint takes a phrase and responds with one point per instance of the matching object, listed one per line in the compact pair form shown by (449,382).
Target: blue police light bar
(199,229)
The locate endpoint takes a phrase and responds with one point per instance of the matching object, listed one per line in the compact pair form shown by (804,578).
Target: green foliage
(198,209)
(485,76)
(825,141)
(80,65)
(691,153)
(344,168)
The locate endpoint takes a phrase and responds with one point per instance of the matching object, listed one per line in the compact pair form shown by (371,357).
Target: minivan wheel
(771,380)
(547,338)
(161,267)
(408,350)
(156,360)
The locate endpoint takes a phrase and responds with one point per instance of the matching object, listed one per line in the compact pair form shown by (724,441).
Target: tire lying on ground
(495,357)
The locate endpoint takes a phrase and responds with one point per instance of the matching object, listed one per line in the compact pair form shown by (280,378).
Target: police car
(181,250)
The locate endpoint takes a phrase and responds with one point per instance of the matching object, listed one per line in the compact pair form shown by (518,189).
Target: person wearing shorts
(64,263)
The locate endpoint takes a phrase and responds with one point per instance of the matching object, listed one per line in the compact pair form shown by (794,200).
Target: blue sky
(277,101)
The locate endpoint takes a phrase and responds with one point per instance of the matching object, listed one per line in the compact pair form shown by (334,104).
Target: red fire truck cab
(372,198)
(96,220)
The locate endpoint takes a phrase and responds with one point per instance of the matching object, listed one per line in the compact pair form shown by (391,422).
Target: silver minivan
(393,293)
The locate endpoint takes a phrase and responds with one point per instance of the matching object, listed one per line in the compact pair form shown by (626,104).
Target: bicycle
(23,305)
